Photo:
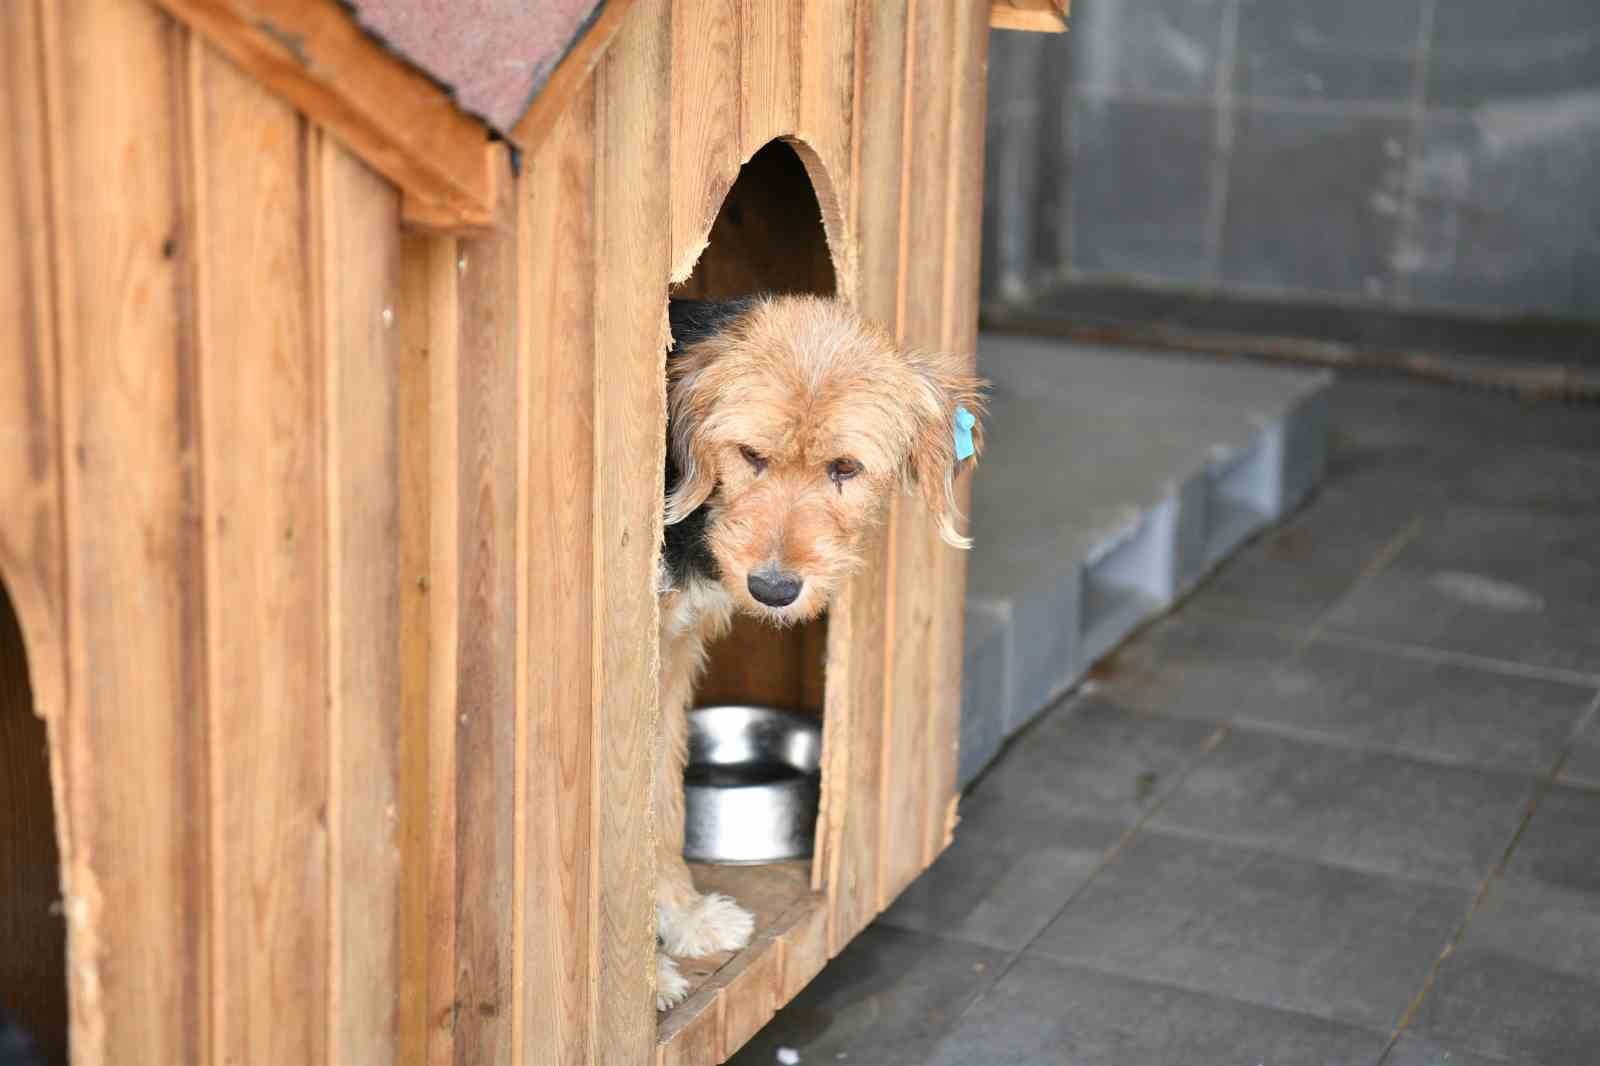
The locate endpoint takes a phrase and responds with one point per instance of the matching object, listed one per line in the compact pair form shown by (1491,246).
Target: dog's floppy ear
(696,327)
(948,435)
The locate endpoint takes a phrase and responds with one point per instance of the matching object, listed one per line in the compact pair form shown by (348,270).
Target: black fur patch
(683,549)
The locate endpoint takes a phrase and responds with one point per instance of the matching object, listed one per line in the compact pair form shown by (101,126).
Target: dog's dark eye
(753,457)
(841,470)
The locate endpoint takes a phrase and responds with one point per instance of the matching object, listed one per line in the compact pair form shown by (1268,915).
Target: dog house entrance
(33,951)
(768,237)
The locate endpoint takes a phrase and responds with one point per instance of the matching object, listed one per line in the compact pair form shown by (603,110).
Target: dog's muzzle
(773,587)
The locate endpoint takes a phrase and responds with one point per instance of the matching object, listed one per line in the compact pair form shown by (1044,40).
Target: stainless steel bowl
(752,786)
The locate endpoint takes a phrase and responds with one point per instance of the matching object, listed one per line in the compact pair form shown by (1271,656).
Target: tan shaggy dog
(791,421)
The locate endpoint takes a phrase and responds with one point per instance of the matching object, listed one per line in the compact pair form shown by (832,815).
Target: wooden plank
(705,122)
(916,548)
(134,581)
(415,323)
(752,997)
(959,333)
(858,630)
(33,968)
(357,226)
(35,825)
(30,543)
(264,531)
(827,93)
(769,71)
(444,568)
(805,951)
(557,749)
(632,250)
(571,81)
(486,652)
(691,1035)
(1039,16)
(756,663)
(392,116)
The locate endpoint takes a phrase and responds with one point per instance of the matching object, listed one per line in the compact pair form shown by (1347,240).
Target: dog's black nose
(774,588)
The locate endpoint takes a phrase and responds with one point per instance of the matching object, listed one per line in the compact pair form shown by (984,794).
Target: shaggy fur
(791,421)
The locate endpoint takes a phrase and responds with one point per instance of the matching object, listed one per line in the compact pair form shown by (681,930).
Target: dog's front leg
(687,922)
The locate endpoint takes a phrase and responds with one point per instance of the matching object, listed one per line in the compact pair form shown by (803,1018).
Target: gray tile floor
(1342,807)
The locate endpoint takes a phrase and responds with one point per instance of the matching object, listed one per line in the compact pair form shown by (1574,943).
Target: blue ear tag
(965,420)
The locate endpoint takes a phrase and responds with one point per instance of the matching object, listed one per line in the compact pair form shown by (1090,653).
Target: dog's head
(792,422)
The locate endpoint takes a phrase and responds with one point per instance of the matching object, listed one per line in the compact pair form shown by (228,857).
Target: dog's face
(793,424)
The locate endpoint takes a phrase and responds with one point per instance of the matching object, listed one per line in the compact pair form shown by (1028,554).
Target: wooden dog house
(331,475)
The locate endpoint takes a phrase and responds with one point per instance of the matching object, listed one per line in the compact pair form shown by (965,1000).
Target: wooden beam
(570,78)
(1040,16)
(390,115)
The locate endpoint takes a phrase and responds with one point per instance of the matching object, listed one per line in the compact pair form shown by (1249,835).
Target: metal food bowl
(752,785)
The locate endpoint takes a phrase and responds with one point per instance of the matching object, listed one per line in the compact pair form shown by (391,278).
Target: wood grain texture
(632,238)
(486,653)
(827,91)
(30,483)
(399,123)
(1039,16)
(853,734)
(33,968)
(264,531)
(706,144)
(131,495)
(414,321)
(556,767)
(357,226)
(572,79)
(915,548)
(959,334)
(769,72)
(444,600)
(757,664)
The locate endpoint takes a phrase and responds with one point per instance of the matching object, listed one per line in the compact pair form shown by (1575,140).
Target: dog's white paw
(712,923)
(671,986)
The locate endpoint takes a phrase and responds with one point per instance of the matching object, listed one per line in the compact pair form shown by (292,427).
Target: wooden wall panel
(557,937)
(769,72)
(706,138)
(827,91)
(443,333)
(915,547)
(357,223)
(633,110)
(30,485)
(858,638)
(137,882)
(264,530)
(959,333)
(33,968)
(415,819)
(488,430)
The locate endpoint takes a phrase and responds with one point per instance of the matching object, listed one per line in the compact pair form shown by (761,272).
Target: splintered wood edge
(390,115)
(1038,16)
(722,1014)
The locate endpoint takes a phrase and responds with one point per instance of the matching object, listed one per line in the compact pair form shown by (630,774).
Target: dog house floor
(733,994)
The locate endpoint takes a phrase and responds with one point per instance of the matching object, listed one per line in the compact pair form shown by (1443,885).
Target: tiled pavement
(1342,807)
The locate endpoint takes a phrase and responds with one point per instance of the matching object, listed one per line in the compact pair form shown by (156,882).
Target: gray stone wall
(1432,154)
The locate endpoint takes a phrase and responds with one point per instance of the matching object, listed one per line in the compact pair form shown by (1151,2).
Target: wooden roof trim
(1044,16)
(568,77)
(389,114)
